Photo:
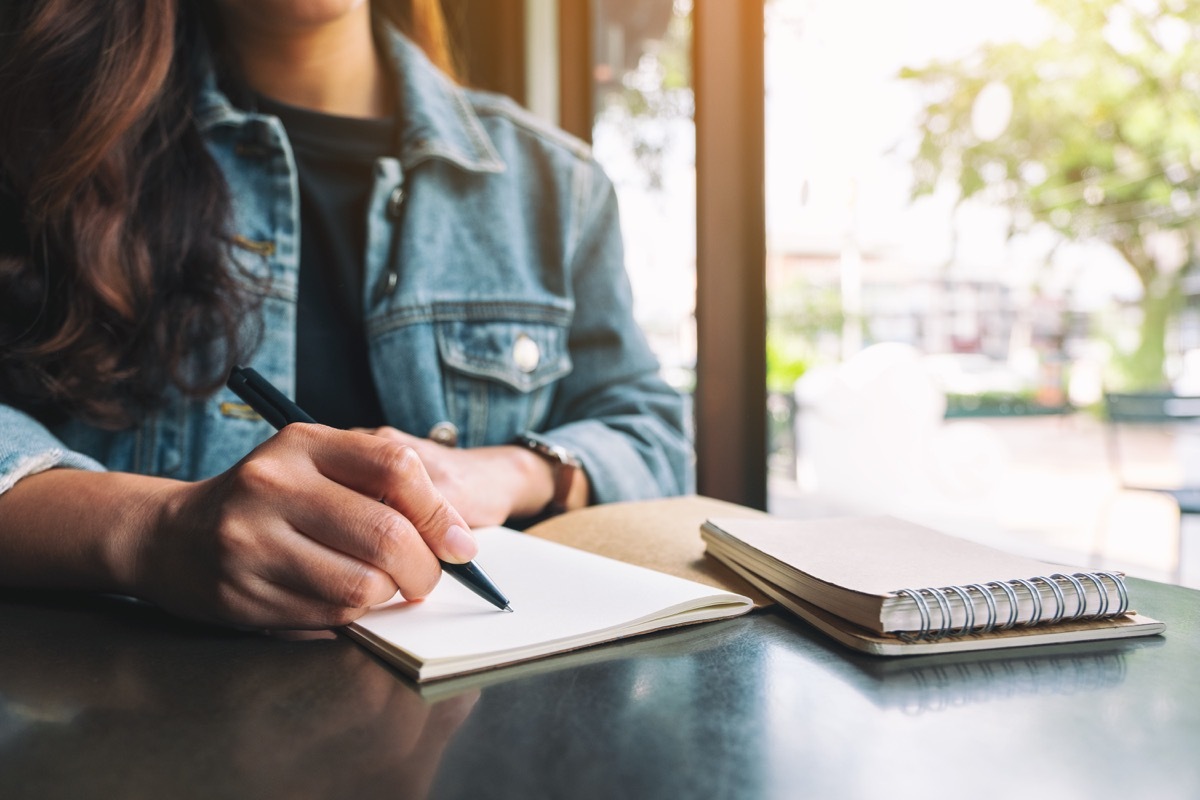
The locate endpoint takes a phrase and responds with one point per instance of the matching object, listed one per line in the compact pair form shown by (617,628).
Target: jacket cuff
(27,448)
(616,469)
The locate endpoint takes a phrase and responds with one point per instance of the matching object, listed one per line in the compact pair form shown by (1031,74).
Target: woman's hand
(294,535)
(487,485)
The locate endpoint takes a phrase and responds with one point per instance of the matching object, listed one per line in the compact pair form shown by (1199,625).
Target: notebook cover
(663,535)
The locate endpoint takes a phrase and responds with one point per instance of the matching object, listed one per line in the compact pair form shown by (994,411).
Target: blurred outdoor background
(982,234)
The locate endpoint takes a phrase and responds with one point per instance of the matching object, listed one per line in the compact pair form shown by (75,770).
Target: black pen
(273,406)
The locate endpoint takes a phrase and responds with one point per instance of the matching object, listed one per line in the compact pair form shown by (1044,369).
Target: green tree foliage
(1102,144)
(800,314)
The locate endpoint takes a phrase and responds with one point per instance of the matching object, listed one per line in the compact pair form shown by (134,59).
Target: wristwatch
(564,466)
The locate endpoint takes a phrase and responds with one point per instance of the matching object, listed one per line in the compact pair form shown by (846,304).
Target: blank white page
(562,598)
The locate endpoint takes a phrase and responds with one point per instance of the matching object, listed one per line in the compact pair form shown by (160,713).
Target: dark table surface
(102,697)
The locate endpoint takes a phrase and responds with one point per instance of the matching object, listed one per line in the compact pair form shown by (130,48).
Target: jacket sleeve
(614,411)
(27,448)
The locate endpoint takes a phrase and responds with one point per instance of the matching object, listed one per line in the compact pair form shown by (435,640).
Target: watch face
(555,452)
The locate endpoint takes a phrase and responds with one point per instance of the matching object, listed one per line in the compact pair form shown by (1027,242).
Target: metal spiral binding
(1049,612)
(989,624)
(1035,597)
(1080,593)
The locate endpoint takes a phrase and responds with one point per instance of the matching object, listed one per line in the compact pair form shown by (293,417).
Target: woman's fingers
(383,468)
(266,604)
(365,531)
(267,573)
(324,575)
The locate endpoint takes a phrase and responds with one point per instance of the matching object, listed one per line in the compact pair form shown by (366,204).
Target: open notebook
(562,599)
(890,587)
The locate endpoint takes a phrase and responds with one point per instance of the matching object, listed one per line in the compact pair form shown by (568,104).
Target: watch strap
(563,465)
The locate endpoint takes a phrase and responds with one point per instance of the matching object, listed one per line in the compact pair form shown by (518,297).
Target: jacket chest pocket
(499,375)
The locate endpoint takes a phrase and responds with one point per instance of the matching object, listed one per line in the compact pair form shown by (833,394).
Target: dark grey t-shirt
(335,157)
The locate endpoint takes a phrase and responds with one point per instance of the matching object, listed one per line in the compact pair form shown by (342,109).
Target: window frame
(731,361)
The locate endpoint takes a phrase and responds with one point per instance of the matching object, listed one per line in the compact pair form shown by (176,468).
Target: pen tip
(508,609)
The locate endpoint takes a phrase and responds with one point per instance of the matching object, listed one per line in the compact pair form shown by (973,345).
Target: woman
(300,187)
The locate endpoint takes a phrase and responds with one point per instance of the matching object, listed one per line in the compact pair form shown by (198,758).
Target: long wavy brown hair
(115,280)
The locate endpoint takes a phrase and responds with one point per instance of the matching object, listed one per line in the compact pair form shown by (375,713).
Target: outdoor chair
(1153,445)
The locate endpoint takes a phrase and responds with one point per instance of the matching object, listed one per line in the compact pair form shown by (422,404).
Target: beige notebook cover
(562,599)
(661,534)
(848,578)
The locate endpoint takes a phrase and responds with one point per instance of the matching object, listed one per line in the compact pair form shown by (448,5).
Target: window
(644,135)
(979,218)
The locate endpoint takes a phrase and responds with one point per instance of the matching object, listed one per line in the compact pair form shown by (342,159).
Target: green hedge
(999,404)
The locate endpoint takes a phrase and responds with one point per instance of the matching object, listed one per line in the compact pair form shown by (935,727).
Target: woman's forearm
(70,528)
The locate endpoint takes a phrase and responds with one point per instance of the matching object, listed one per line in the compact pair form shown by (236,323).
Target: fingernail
(460,545)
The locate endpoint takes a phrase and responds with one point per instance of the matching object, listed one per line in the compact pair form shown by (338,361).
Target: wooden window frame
(731,366)
(730,400)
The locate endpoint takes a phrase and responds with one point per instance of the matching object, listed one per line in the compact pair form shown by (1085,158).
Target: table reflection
(926,684)
(151,707)
(105,699)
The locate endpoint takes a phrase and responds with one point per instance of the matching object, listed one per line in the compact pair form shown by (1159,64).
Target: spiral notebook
(890,587)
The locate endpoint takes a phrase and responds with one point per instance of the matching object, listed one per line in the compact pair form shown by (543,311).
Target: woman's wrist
(534,486)
(155,509)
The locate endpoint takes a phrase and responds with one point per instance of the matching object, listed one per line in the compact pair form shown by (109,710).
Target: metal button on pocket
(526,353)
(445,433)
(395,202)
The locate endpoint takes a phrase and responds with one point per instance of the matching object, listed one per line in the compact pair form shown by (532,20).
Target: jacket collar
(436,118)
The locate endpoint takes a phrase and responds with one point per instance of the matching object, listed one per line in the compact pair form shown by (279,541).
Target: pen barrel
(270,403)
(475,579)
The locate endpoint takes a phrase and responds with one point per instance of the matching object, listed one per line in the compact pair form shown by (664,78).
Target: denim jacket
(502,306)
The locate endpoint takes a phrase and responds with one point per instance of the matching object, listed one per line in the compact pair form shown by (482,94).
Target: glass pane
(645,138)
(982,216)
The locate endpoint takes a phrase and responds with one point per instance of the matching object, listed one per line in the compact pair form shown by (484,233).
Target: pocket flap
(523,355)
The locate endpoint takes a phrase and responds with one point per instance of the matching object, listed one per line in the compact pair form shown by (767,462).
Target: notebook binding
(934,605)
